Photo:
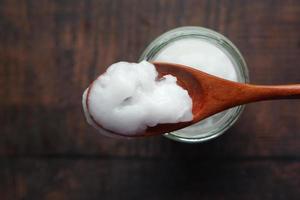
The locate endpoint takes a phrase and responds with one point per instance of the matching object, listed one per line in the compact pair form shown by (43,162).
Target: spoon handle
(263,92)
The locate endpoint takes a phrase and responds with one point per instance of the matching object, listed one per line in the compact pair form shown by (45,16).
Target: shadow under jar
(208,51)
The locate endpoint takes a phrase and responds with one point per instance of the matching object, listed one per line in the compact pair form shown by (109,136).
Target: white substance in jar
(205,56)
(128,98)
(201,55)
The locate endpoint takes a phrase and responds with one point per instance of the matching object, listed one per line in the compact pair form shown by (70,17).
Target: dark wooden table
(51,49)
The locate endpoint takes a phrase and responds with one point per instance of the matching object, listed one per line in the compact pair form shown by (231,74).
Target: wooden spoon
(211,95)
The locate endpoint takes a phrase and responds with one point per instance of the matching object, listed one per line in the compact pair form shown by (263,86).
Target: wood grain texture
(50,50)
(7,180)
(155,179)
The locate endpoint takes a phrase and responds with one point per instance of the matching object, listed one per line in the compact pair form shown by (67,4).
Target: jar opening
(204,47)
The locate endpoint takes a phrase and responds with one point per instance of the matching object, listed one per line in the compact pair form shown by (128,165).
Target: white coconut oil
(204,56)
(129,97)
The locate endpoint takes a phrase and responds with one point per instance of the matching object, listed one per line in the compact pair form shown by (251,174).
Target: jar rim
(214,37)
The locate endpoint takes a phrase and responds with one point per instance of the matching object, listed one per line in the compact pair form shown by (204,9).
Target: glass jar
(214,126)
